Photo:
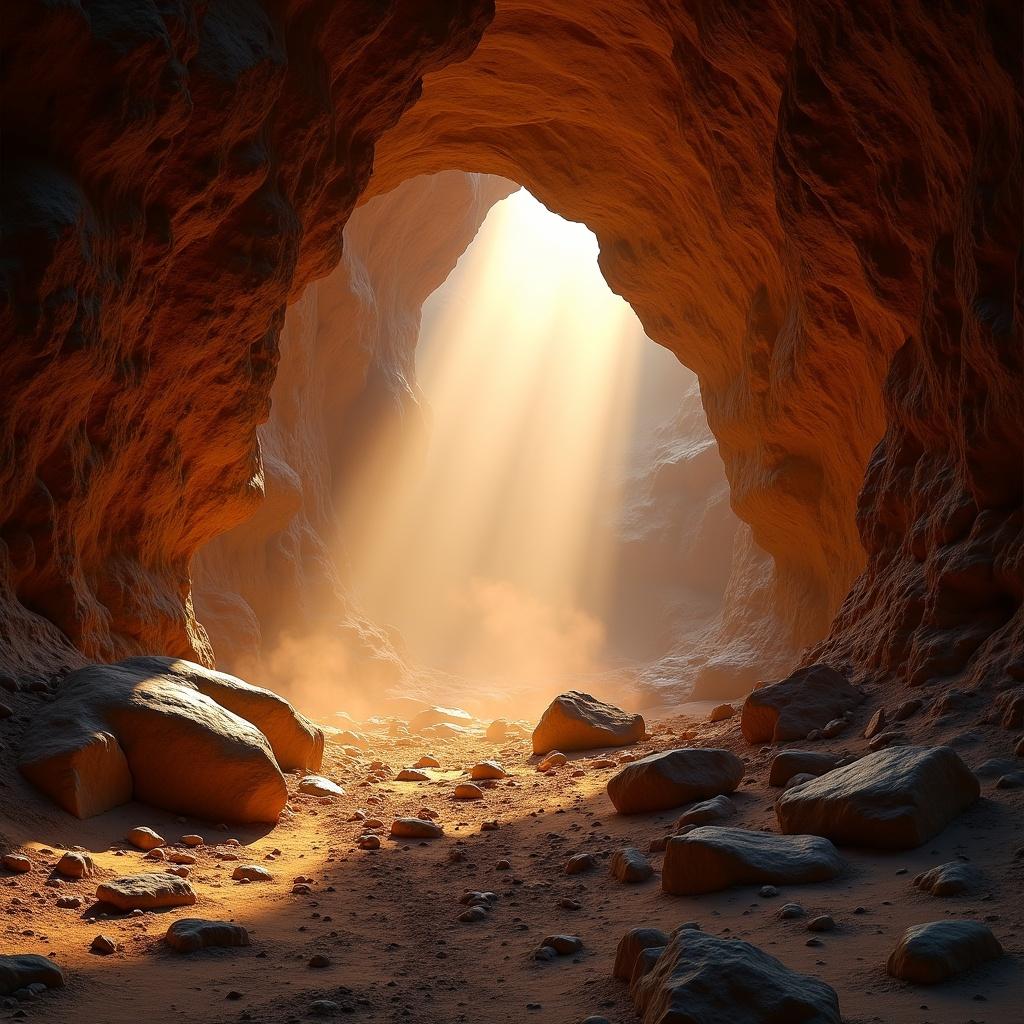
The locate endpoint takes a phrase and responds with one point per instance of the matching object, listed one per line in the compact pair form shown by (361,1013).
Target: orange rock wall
(816,206)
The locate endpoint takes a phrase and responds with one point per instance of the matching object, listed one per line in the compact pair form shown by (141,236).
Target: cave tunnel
(241,273)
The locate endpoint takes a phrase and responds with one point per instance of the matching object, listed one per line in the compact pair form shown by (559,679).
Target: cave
(225,228)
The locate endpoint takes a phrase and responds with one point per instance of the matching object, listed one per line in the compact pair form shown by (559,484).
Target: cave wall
(816,206)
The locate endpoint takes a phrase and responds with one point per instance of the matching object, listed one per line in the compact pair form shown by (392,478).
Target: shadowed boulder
(791,709)
(673,778)
(22,970)
(702,979)
(896,798)
(145,728)
(929,953)
(711,858)
(191,934)
(578,721)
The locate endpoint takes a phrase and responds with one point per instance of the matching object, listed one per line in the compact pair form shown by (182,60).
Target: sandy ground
(387,919)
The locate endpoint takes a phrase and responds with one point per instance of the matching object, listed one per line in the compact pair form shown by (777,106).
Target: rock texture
(703,979)
(929,953)
(188,935)
(673,778)
(154,728)
(578,721)
(711,858)
(24,969)
(146,892)
(893,799)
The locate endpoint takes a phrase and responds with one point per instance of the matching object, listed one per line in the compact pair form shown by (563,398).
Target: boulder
(950,879)
(630,865)
(487,770)
(578,721)
(673,778)
(317,785)
(707,812)
(75,865)
(631,945)
(146,892)
(142,837)
(151,728)
(788,763)
(439,716)
(191,934)
(929,953)
(711,858)
(24,969)
(251,873)
(791,709)
(896,798)
(704,979)
(415,828)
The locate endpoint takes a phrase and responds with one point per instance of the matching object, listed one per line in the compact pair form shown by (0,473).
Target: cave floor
(387,920)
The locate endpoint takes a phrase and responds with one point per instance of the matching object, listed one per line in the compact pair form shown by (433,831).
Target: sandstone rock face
(191,934)
(578,721)
(806,258)
(24,969)
(146,892)
(702,979)
(788,710)
(674,777)
(896,798)
(143,728)
(929,953)
(711,858)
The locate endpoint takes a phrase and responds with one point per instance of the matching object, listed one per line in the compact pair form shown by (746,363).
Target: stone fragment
(251,873)
(674,777)
(17,862)
(821,923)
(20,970)
(146,892)
(467,791)
(896,798)
(950,879)
(193,840)
(578,721)
(191,934)
(580,862)
(415,828)
(707,812)
(317,785)
(631,945)
(711,858)
(704,979)
(75,865)
(319,961)
(876,725)
(929,953)
(630,865)
(369,842)
(412,775)
(144,838)
(791,709)
(104,945)
(564,945)
(721,713)
(487,770)
(554,760)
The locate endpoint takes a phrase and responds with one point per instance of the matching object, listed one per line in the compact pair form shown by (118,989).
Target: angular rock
(674,777)
(191,934)
(791,709)
(707,812)
(788,763)
(415,828)
(704,979)
(317,785)
(142,728)
(630,865)
(104,945)
(578,721)
(144,838)
(631,945)
(711,858)
(146,892)
(929,953)
(896,798)
(950,879)
(24,969)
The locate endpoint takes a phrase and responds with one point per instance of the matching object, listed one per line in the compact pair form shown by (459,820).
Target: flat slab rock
(896,799)
(703,979)
(317,785)
(146,892)
(791,709)
(191,934)
(24,969)
(712,858)
(578,721)
(673,778)
(929,953)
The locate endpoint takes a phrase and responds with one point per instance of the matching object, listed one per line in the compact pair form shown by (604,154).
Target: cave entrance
(525,539)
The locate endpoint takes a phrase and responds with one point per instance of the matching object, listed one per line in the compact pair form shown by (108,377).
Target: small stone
(876,725)
(553,760)
(251,873)
(767,891)
(800,779)
(318,960)
(415,828)
(317,785)
(412,775)
(790,911)
(69,902)
(721,713)
(467,791)
(821,923)
(17,862)
(144,838)
(145,892)
(563,945)
(487,770)
(427,761)
(157,853)
(193,840)
(630,865)
(473,914)
(369,842)
(103,945)
(706,812)
(950,879)
(580,862)
(323,1008)
(75,865)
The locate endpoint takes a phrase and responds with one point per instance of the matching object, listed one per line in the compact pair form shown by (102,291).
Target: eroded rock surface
(930,953)
(146,892)
(578,721)
(896,798)
(24,969)
(674,777)
(791,709)
(188,934)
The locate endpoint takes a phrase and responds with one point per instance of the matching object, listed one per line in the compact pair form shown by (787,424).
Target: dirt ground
(386,920)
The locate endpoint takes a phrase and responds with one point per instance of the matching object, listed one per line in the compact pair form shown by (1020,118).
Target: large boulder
(578,721)
(895,799)
(673,778)
(791,709)
(703,979)
(145,728)
(191,934)
(24,969)
(146,892)
(929,953)
(711,858)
